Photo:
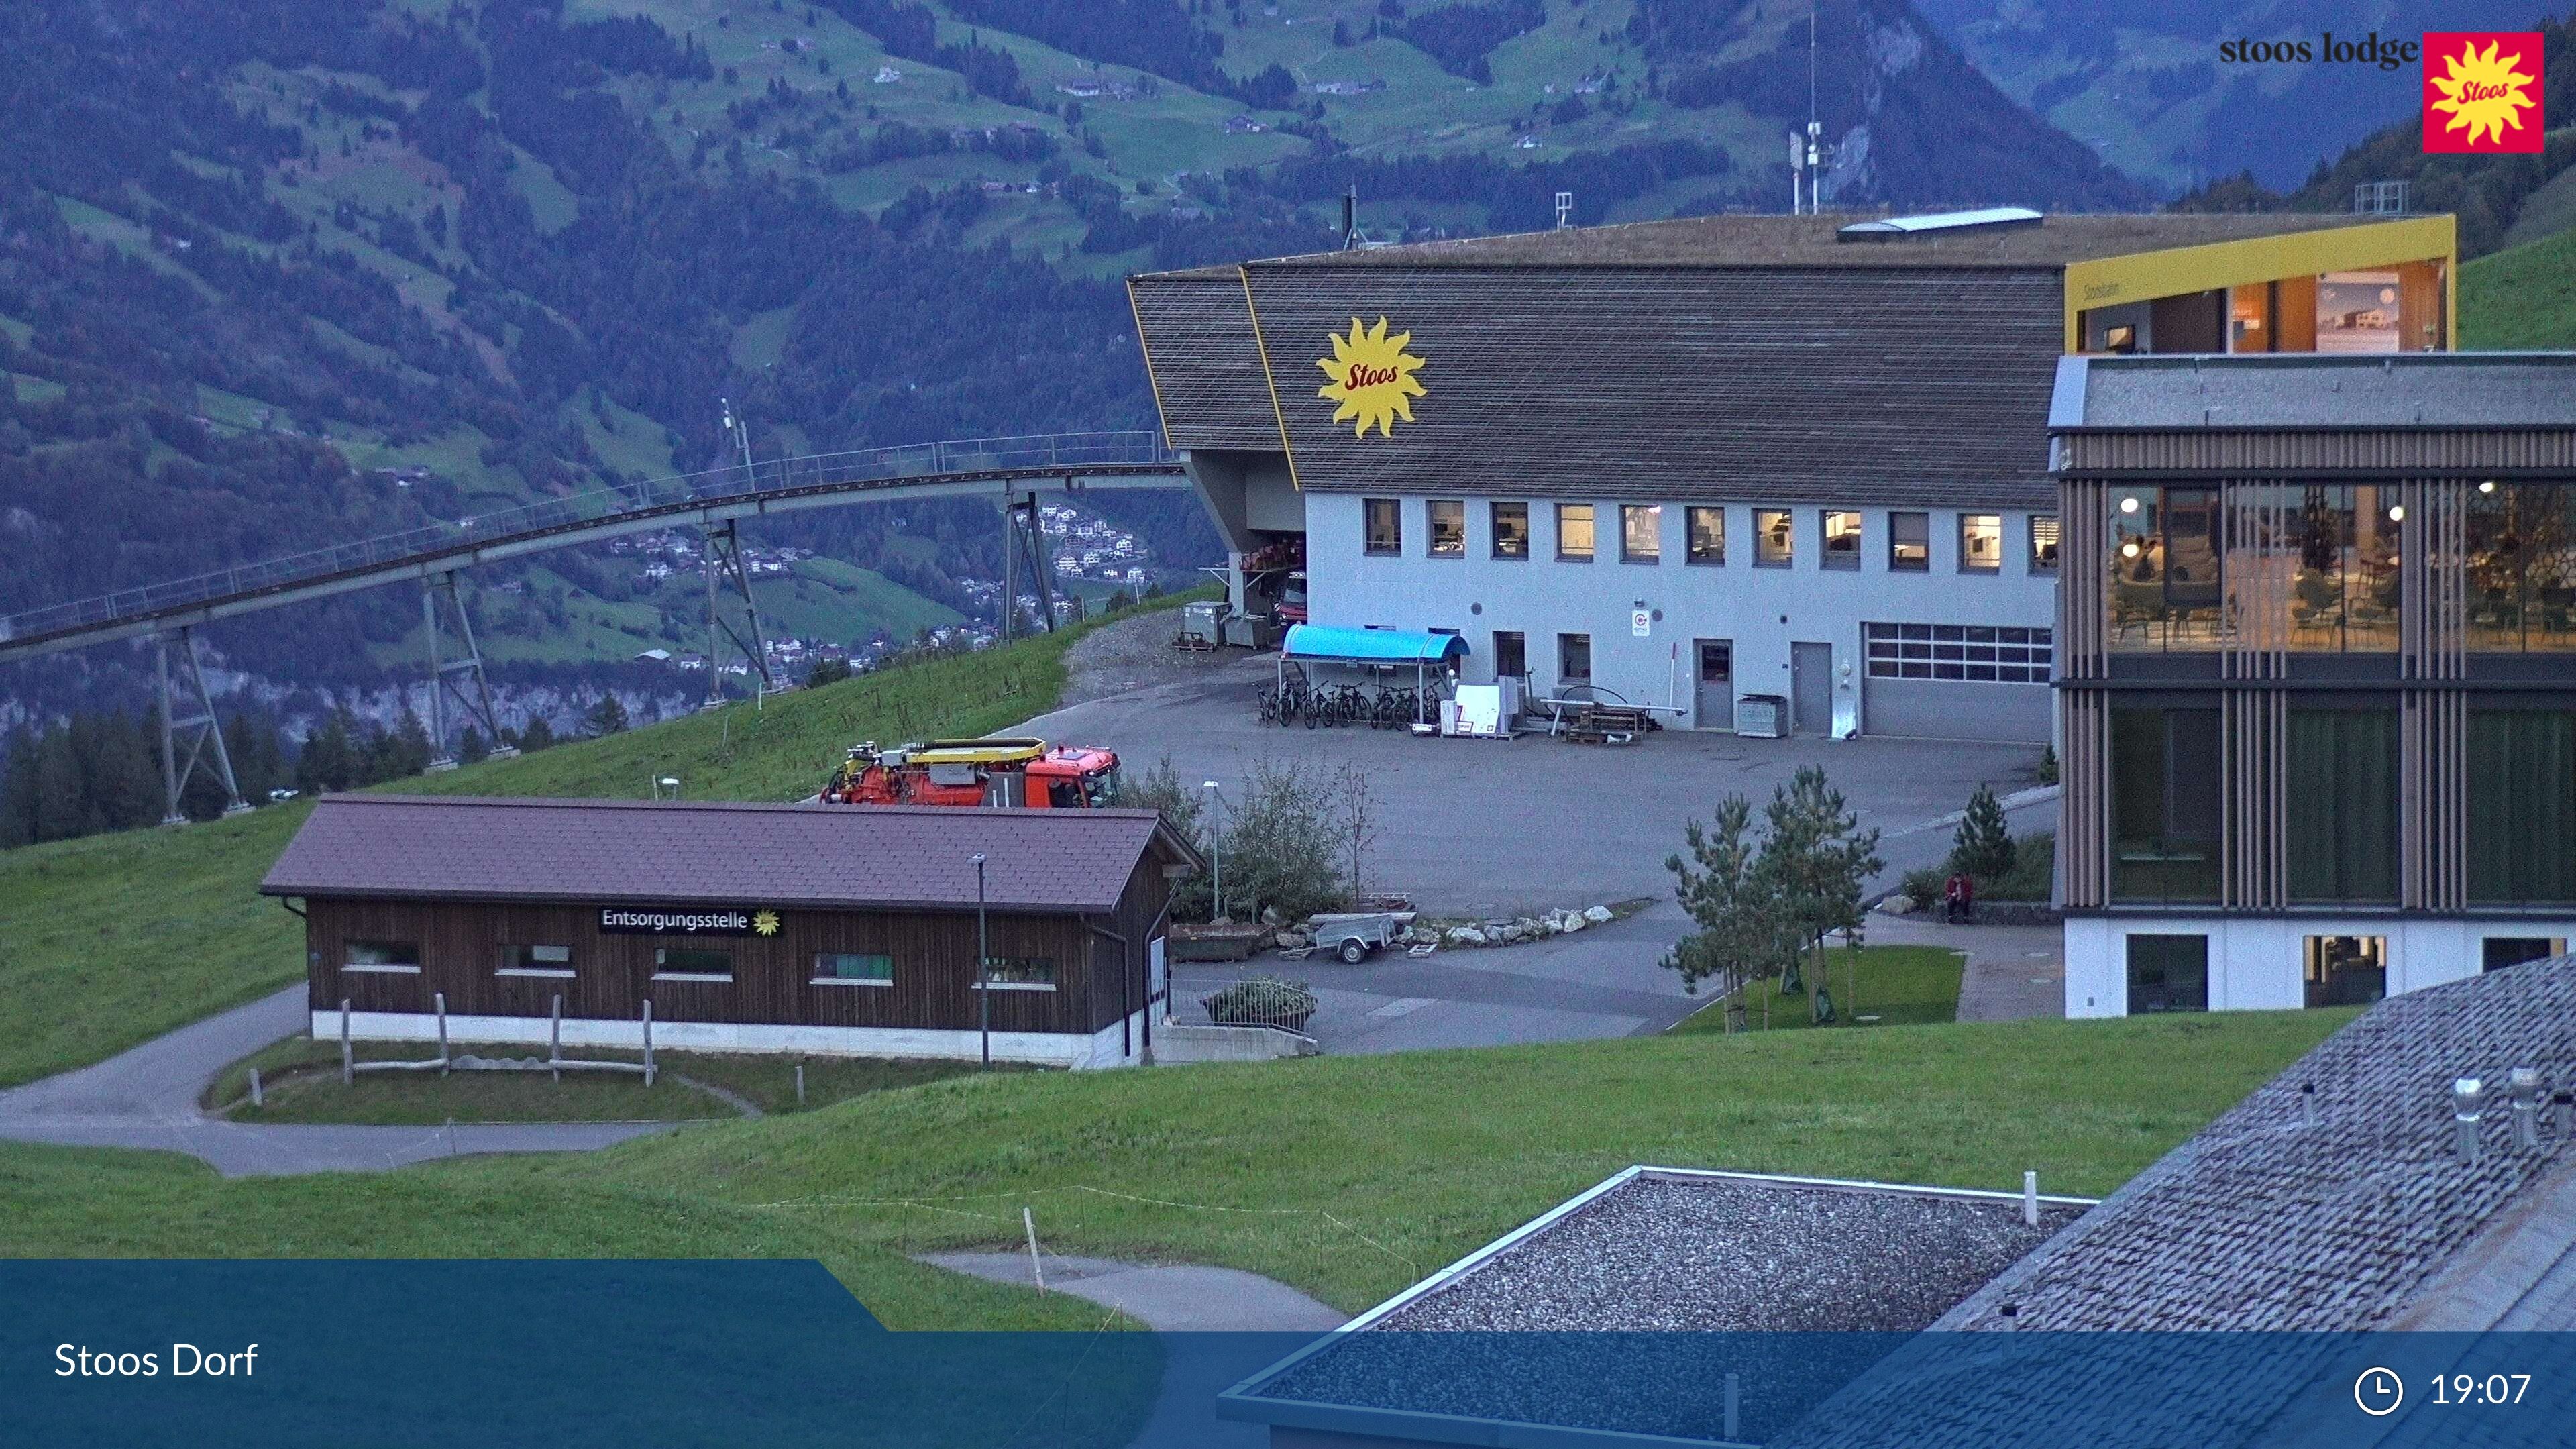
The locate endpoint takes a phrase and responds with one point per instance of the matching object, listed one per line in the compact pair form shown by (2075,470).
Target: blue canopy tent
(1374,650)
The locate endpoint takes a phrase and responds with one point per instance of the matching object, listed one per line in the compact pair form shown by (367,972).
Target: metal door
(1811,689)
(1716,675)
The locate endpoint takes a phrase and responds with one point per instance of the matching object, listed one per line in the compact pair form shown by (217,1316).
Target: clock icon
(2378,1391)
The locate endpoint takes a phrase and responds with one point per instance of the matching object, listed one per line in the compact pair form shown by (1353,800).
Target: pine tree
(1984,845)
(329,759)
(607,717)
(470,748)
(18,790)
(537,736)
(406,751)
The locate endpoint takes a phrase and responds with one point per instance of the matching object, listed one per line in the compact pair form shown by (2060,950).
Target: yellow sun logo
(764,923)
(2483,92)
(1372,378)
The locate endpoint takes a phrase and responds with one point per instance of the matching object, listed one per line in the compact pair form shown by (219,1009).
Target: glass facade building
(2316,697)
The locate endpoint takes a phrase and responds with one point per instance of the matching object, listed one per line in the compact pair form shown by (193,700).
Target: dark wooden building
(746,927)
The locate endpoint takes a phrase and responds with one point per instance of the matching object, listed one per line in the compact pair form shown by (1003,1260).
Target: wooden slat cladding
(1914,386)
(1205,367)
(2243,452)
(462,946)
(2084,848)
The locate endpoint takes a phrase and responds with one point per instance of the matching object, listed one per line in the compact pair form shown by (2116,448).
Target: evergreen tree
(404,752)
(470,748)
(607,717)
(1984,844)
(18,790)
(329,760)
(537,736)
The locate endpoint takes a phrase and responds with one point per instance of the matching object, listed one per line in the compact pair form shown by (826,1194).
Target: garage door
(1957,682)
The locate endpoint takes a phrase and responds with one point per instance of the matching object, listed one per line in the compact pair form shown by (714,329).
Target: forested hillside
(279,272)
(2501,200)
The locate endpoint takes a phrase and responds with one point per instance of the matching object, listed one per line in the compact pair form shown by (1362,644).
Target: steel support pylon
(475,707)
(202,730)
(724,565)
(1024,542)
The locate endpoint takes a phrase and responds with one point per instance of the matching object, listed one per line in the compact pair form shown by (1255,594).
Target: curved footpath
(146,1098)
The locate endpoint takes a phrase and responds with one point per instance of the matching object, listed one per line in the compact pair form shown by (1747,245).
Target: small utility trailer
(1353,937)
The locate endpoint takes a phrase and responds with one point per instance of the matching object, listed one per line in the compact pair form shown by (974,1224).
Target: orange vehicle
(1021,772)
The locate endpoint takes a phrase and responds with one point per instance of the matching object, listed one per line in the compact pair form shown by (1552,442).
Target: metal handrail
(713,486)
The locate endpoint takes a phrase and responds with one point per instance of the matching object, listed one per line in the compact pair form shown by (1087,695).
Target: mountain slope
(2145,87)
(279,272)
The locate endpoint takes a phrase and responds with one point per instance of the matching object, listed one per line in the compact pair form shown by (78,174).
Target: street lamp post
(1216,857)
(983,960)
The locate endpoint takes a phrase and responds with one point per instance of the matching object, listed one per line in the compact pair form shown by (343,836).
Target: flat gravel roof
(1671,1252)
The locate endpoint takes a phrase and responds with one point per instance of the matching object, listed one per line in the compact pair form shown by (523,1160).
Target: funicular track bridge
(1011,471)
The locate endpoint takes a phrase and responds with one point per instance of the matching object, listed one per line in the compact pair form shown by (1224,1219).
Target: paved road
(147,1098)
(1173,1298)
(1487,827)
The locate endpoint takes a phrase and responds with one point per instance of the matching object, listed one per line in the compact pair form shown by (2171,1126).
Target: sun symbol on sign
(764,923)
(2483,92)
(1372,378)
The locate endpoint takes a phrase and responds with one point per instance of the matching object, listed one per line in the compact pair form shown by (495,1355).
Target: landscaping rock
(1466,936)
(1574,921)
(1598,915)
(1896,905)
(1291,940)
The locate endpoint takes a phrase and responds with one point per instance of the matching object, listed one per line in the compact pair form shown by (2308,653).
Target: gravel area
(1601,1321)
(1135,654)
(1724,1254)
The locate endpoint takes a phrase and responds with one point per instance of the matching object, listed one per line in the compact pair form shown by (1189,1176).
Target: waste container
(1200,624)
(1762,716)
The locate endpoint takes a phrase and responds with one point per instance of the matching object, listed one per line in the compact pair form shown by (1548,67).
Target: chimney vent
(2308,1104)
(2467,1095)
(2525,1082)
(2562,1112)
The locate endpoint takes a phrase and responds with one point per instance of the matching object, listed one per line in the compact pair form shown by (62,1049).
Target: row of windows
(2171,972)
(1641,535)
(1992,653)
(2342,805)
(2313,568)
(696,963)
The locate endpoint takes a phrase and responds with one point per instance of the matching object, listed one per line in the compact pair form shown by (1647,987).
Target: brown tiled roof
(852,857)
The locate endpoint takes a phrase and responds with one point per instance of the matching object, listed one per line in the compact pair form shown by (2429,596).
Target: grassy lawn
(114,939)
(300,1081)
(77,1202)
(1896,985)
(2521,297)
(1347,1176)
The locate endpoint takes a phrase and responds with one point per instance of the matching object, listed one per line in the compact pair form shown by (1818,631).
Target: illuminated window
(1981,542)
(1772,547)
(1574,532)
(1448,519)
(1511,530)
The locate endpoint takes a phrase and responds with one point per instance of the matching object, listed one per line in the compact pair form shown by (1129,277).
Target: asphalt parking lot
(1498,828)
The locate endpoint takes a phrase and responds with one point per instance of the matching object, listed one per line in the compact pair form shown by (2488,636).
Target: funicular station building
(2318,676)
(1691,461)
